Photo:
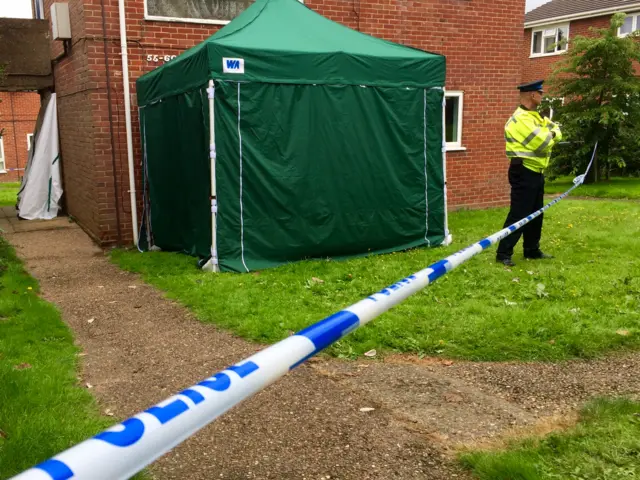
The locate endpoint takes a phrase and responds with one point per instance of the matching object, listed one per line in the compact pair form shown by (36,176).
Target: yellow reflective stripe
(534,141)
(512,133)
(531,137)
(545,144)
(523,155)
(509,138)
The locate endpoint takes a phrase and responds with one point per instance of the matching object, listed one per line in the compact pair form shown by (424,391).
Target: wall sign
(160,58)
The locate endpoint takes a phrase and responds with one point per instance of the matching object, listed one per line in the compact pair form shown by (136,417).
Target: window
(201,11)
(549,104)
(217,12)
(2,164)
(549,41)
(453,120)
(38,14)
(630,25)
(29,141)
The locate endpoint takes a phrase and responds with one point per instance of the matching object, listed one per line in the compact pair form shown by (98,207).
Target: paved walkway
(140,348)
(9,223)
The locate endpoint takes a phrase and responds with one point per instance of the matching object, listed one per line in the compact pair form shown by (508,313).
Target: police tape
(124,449)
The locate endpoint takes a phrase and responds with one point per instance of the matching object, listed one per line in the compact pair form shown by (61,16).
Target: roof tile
(560,8)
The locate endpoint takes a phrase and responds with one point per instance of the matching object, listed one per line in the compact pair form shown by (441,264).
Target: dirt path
(141,348)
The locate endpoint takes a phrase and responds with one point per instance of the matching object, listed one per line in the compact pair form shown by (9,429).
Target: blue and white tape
(124,449)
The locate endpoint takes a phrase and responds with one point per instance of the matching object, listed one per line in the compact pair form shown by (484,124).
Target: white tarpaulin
(41,186)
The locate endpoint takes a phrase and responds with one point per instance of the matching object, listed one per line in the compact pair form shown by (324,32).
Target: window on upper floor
(630,25)
(217,12)
(38,13)
(551,40)
(195,11)
(549,104)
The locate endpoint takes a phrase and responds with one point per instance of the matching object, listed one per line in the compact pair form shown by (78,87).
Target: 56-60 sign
(160,58)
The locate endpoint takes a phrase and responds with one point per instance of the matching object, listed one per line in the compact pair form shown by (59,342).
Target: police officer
(529,139)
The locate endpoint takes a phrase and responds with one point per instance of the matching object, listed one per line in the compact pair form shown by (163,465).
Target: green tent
(287,136)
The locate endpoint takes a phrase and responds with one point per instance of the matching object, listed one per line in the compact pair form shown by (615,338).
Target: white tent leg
(212,264)
(448,238)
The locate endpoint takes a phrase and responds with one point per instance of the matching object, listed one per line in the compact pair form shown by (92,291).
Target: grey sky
(531,4)
(15,8)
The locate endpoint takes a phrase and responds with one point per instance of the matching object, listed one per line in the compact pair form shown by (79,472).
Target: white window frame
(551,108)
(3,161)
(38,9)
(555,27)
(29,137)
(202,21)
(635,24)
(457,145)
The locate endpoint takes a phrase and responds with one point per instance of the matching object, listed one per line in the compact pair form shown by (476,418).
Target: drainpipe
(111,135)
(127,113)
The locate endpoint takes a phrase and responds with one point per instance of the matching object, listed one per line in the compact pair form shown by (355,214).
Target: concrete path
(9,223)
(140,348)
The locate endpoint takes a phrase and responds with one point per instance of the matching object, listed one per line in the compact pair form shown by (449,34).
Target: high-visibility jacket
(530,137)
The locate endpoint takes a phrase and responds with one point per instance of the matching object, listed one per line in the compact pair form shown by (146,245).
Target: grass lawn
(617,187)
(42,409)
(584,302)
(605,445)
(8,194)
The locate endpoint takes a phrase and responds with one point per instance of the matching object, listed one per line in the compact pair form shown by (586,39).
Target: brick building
(18,114)
(481,40)
(563,20)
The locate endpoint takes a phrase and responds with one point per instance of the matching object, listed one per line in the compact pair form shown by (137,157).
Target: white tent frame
(213,264)
(448,238)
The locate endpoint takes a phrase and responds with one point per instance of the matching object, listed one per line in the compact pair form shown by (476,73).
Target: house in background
(481,40)
(546,26)
(18,114)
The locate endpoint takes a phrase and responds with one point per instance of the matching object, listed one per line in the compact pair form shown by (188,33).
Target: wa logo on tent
(233,65)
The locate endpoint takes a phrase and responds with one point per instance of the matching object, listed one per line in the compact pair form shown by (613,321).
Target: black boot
(506,261)
(537,255)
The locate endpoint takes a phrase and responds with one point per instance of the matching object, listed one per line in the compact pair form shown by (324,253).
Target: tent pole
(212,265)
(447,235)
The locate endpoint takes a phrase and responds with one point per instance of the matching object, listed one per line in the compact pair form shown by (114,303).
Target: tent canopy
(285,42)
(328,143)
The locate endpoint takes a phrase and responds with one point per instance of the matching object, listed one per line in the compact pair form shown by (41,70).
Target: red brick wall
(541,67)
(18,115)
(75,97)
(482,42)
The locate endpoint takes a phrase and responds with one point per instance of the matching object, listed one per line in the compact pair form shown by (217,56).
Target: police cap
(532,86)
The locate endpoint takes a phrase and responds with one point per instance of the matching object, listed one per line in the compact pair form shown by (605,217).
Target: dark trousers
(527,196)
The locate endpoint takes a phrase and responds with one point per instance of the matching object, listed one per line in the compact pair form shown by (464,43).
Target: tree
(601,102)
